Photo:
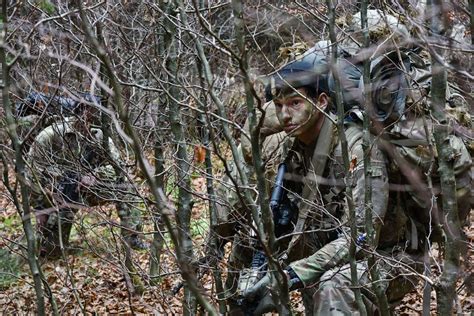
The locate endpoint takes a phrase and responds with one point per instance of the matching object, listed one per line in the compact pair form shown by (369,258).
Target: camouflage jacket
(326,225)
(397,208)
(62,149)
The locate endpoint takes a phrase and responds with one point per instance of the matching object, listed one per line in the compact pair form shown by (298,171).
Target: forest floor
(91,279)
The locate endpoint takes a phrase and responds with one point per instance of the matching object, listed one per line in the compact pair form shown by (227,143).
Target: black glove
(294,282)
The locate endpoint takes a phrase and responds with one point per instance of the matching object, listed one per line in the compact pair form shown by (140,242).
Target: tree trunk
(471,17)
(22,206)
(183,218)
(158,238)
(377,285)
(117,96)
(345,156)
(446,288)
(214,242)
(264,222)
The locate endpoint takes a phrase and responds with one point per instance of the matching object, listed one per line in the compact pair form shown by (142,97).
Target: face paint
(297,114)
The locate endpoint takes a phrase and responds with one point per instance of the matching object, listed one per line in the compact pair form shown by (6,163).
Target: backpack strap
(409,142)
(353,133)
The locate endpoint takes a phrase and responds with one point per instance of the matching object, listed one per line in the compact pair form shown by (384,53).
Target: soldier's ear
(323,101)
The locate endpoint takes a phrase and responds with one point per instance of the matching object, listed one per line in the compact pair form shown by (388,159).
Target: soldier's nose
(285,114)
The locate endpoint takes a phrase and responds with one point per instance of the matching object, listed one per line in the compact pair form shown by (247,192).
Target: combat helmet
(308,71)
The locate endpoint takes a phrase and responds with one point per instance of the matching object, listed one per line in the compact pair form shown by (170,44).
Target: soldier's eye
(295,102)
(277,105)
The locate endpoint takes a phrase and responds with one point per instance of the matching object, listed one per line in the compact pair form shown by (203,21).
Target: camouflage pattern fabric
(331,211)
(418,155)
(392,217)
(322,253)
(326,238)
(335,296)
(274,147)
(232,217)
(381,26)
(59,159)
(25,124)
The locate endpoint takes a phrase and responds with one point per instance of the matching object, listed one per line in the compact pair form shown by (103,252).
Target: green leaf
(47,6)
(199,227)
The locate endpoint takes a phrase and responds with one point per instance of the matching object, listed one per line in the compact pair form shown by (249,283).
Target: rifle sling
(321,152)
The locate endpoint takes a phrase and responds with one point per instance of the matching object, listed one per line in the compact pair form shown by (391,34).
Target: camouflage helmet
(380,25)
(308,71)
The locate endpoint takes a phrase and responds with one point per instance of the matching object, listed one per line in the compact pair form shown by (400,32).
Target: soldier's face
(298,114)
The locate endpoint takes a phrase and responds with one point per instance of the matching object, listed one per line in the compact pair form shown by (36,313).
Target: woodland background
(181,77)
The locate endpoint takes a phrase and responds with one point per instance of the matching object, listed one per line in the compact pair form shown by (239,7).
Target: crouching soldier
(70,167)
(319,252)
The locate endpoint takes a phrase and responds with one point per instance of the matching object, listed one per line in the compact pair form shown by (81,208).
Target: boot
(49,233)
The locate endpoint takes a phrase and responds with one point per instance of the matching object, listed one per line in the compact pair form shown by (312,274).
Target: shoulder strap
(353,134)
(409,142)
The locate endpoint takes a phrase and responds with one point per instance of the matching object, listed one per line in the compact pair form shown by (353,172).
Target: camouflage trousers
(55,210)
(334,295)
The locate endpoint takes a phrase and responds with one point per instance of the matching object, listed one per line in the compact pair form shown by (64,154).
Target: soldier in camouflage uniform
(71,167)
(316,174)
(323,237)
(39,110)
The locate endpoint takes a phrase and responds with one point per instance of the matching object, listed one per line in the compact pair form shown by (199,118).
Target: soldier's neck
(311,134)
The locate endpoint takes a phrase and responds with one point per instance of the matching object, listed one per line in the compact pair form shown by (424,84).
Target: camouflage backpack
(400,83)
(405,134)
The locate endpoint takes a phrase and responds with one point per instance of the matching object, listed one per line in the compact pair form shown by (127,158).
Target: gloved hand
(259,289)
(265,283)
(262,290)
(260,293)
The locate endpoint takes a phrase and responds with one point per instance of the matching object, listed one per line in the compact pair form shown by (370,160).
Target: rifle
(284,212)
